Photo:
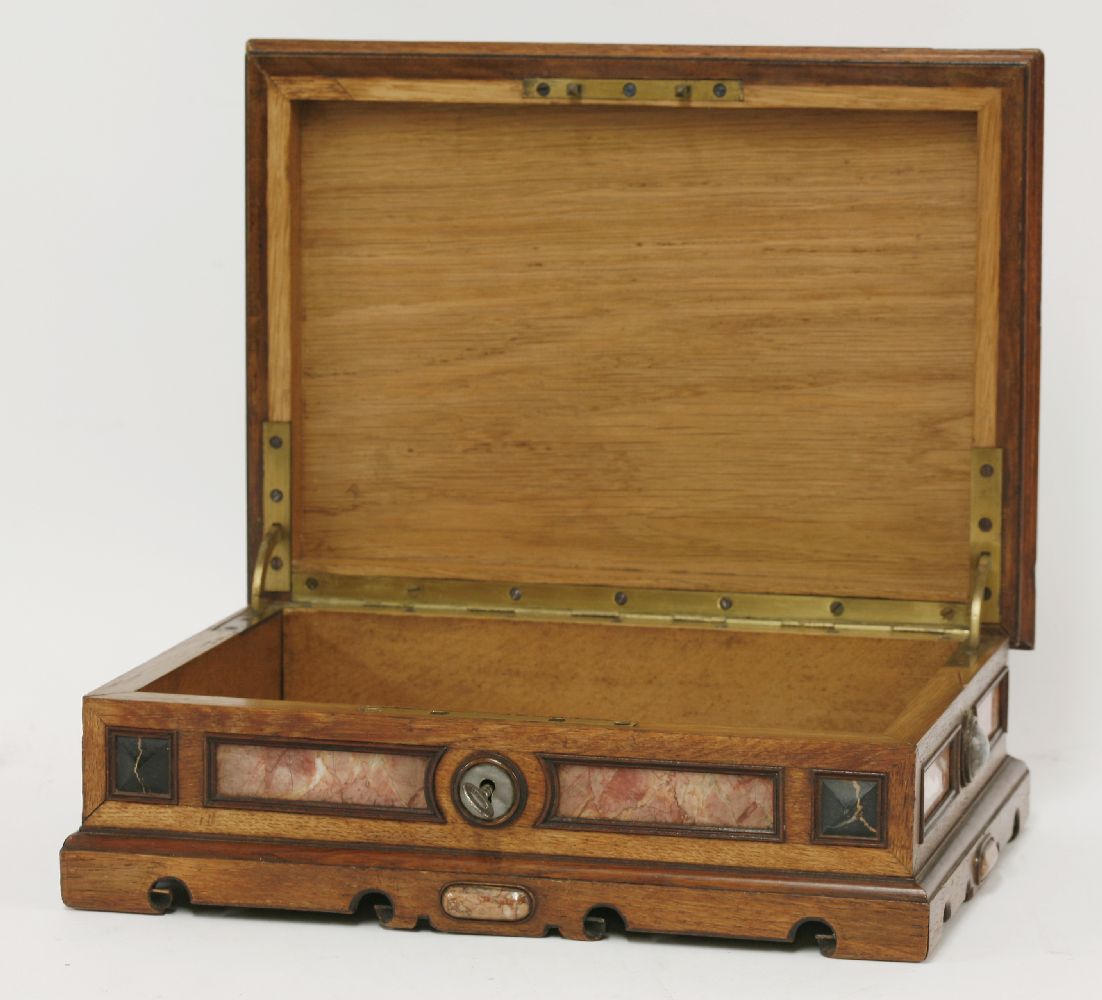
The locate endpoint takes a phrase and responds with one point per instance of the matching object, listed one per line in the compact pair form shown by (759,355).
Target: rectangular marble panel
(937,780)
(674,798)
(989,710)
(326,776)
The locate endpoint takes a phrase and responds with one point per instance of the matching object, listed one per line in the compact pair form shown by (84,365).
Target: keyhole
(487,788)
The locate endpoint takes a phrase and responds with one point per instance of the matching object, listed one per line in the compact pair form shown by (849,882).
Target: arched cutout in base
(166,894)
(601,921)
(373,903)
(947,914)
(813,931)
(1017,828)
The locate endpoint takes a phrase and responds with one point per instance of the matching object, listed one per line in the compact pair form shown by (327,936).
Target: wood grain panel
(247,664)
(677,677)
(638,346)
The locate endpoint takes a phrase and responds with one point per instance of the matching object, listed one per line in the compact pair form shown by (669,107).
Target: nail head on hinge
(311,583)
(725,603)
(275,441)
(276,496)
(515,593)
(277,563)
(985,524)
(621,598)
(987,470)
(837,608)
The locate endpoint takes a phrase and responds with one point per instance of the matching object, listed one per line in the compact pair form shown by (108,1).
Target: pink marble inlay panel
(486,902)
(666,797)
(936,780)
(317,774)
(989,711)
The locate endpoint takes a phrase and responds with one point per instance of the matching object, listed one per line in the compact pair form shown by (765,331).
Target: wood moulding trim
(781,55)
(521,864)
(282,165)
(871,97)
(989,202)
(431,813)
(551,819)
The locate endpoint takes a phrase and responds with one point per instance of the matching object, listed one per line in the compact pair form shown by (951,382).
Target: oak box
(642,462)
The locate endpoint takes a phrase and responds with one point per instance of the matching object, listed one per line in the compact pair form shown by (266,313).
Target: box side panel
(942,802)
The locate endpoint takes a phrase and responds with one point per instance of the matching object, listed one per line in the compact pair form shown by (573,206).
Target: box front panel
(328,774)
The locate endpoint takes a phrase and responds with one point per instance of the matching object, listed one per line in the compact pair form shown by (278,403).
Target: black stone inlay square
(850,808)
(143,765)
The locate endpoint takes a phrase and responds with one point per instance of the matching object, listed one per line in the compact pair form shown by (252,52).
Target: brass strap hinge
(985,535)
(980,575)
(262,566)
(683,92)
(985,538)
(272,568)
(967,654)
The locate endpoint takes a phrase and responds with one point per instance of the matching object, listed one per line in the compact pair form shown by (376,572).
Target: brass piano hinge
(272,569)
(683,92)
(638,606)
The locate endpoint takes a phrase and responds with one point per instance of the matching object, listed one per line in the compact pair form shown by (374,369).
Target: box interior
(656,676)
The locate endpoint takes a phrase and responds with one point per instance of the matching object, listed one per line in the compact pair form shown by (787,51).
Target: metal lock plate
(488,790)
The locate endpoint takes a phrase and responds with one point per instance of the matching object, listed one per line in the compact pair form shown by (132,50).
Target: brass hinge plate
(987,523)
(276,457)
(685,92)
(631,605)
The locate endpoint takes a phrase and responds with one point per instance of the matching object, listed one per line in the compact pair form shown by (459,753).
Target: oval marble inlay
(467,901)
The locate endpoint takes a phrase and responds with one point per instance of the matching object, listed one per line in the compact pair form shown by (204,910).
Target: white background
(122,490)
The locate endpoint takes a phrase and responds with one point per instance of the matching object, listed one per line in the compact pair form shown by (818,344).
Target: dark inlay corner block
(142,765)
(849,808)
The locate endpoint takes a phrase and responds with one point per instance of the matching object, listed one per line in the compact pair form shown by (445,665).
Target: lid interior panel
(637,346)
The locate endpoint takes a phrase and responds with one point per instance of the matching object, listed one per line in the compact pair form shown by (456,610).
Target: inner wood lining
(638,347)
(661,676)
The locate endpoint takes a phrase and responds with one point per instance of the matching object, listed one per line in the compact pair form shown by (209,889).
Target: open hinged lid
(720,335)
